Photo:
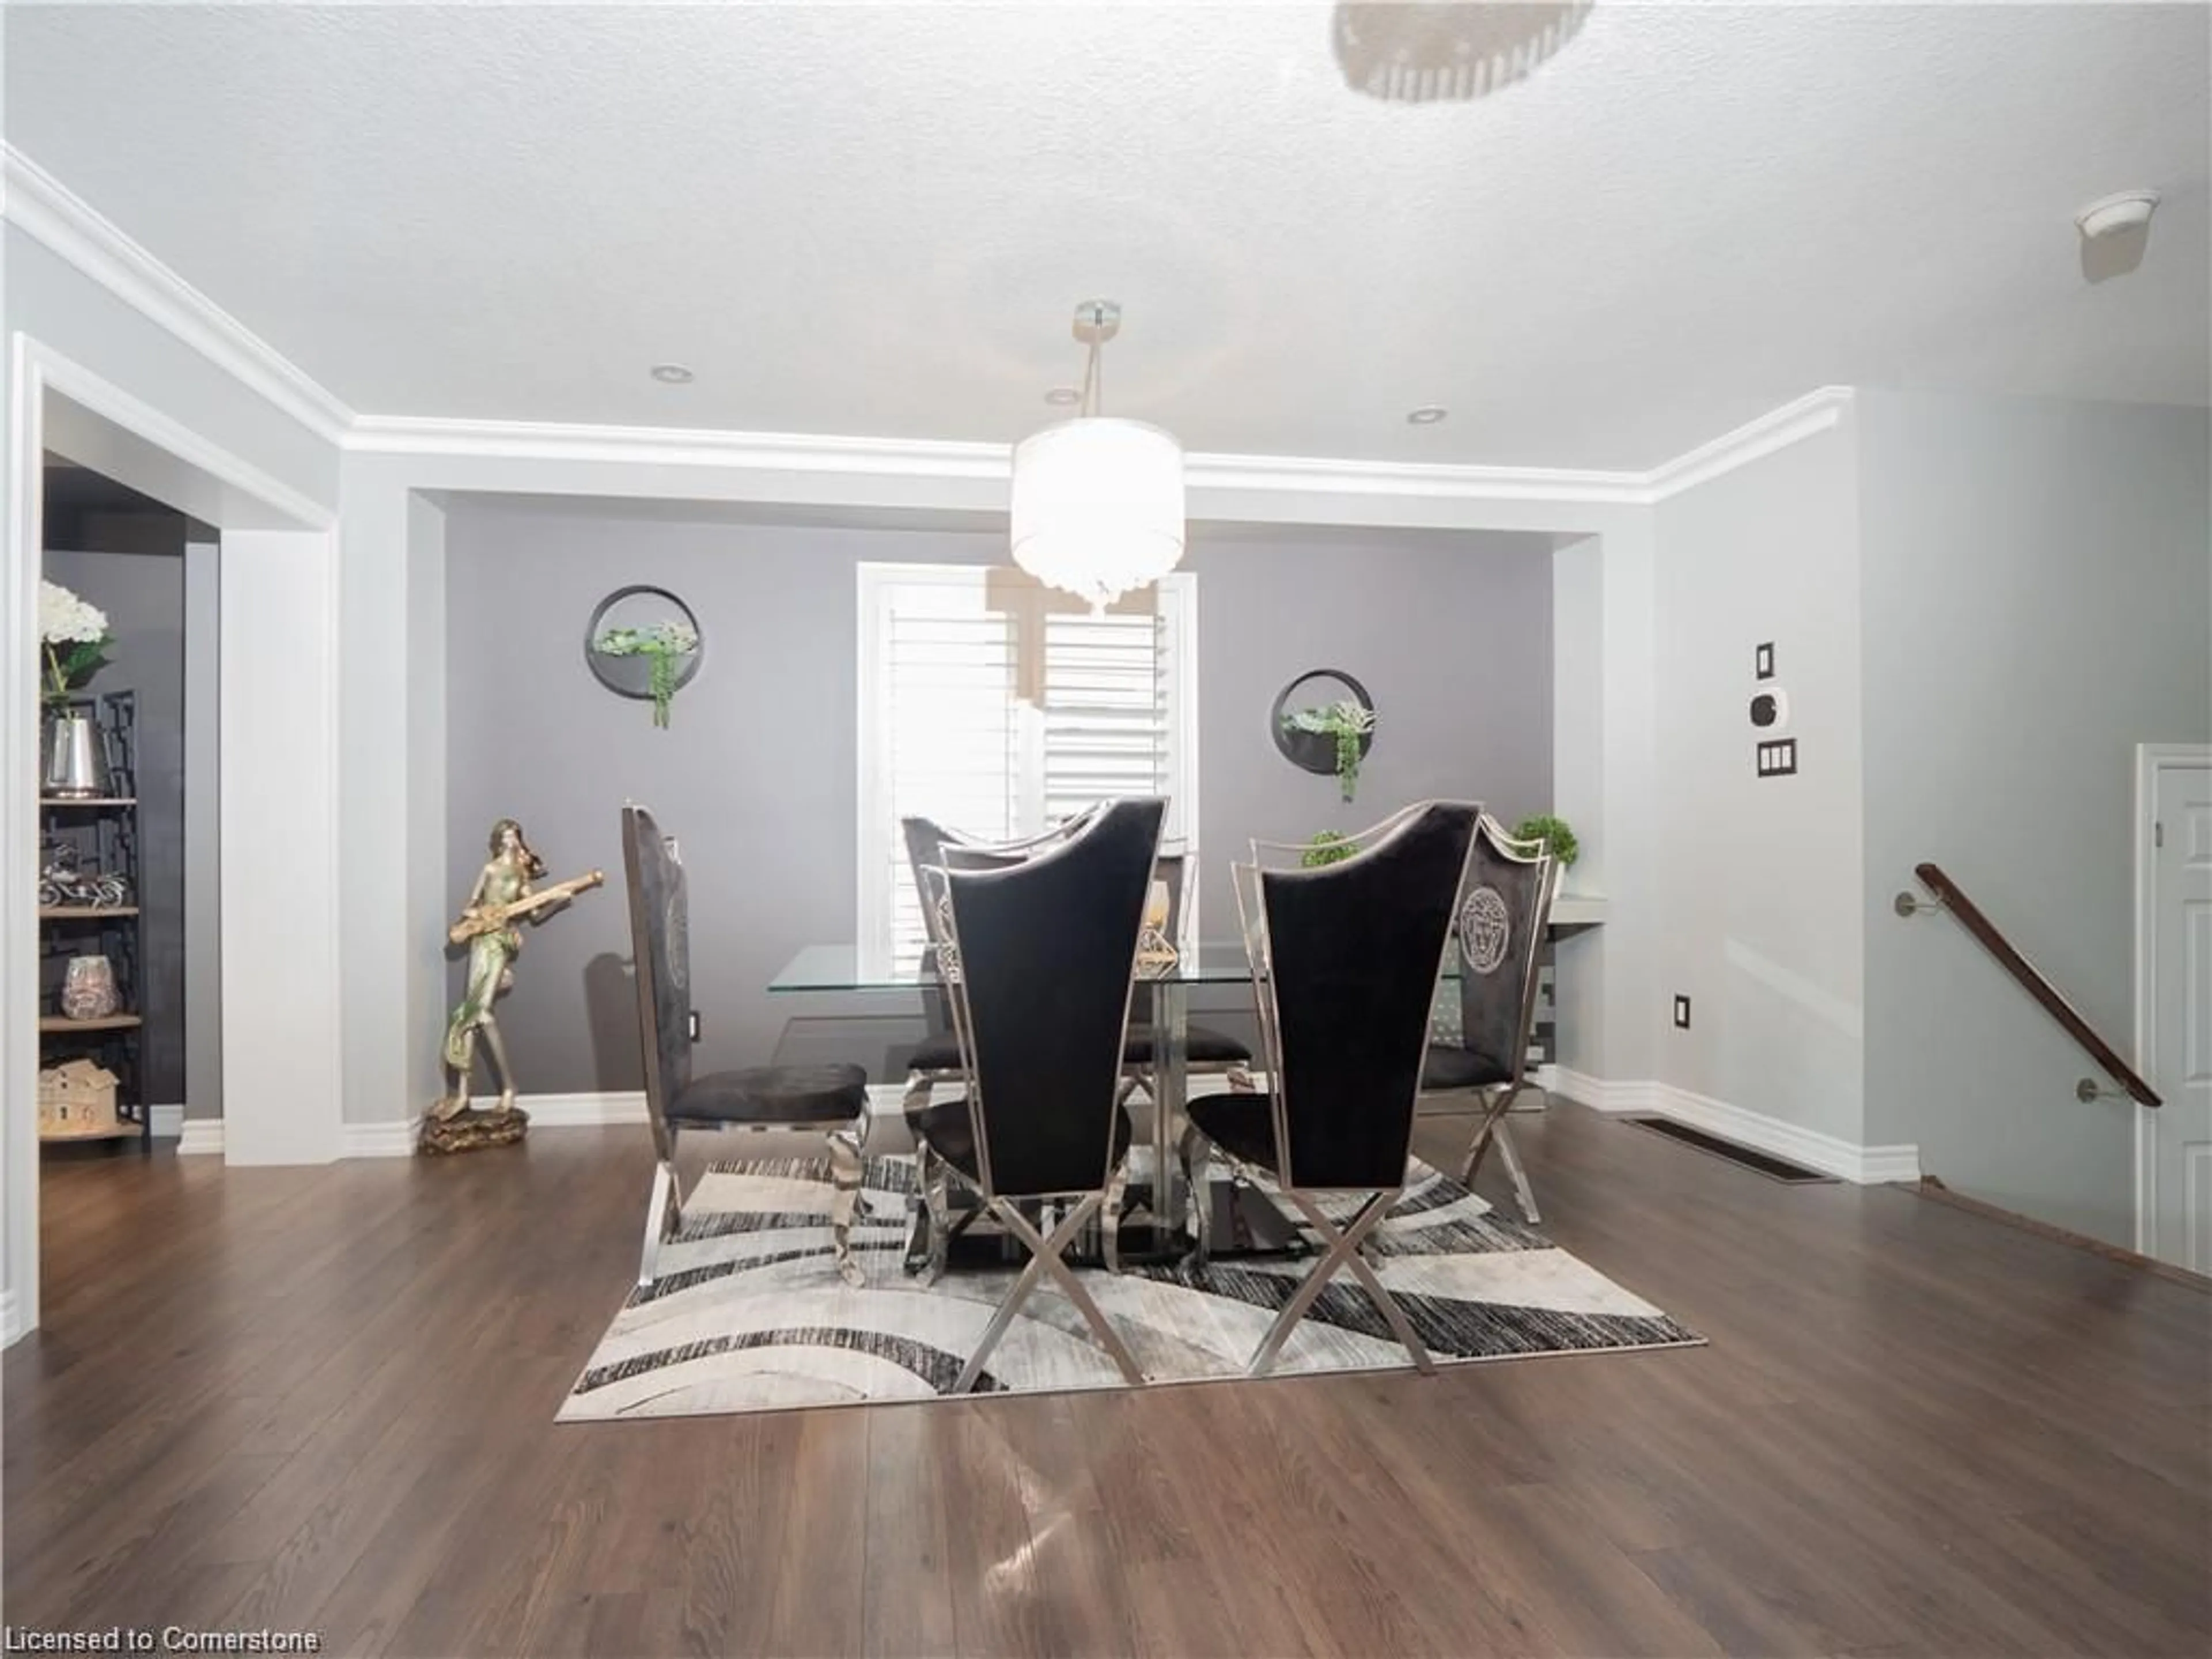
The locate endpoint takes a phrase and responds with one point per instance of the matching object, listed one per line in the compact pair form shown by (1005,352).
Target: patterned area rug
(749,1315)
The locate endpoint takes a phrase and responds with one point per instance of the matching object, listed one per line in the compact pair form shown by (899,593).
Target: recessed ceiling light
(1427,414)
(1063,397)
(672,374)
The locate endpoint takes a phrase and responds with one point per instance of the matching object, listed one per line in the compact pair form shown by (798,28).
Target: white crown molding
(200,1135)
(49,211)
(911,458)
(1795,421)
(680,447)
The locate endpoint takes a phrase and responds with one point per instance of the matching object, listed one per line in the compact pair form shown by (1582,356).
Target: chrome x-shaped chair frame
(1036,1127)
(1409,869)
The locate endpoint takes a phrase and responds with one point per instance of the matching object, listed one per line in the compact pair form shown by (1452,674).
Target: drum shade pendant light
(1097,501)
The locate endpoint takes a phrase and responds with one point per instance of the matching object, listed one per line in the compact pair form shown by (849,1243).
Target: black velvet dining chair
(1344,961)
(1503,917)
(832,1098)
(1037,959)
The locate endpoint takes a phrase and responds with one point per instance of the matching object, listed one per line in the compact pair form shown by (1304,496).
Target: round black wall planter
(639,606)
(1315,751)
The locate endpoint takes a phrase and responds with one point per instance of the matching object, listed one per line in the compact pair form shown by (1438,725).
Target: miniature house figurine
(76,1098)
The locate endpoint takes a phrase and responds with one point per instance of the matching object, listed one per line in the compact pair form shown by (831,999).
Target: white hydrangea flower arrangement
(76,639)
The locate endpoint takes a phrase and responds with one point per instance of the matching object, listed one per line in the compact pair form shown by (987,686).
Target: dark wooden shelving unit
(103,830)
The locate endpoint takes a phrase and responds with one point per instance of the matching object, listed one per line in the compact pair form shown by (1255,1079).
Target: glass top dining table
(849,967)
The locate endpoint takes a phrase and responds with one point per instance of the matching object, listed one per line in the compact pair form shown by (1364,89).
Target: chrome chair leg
(1521,1191)
(1492,1105)
(1045,1257)
(844,1169)
(664,1214)
(1355,1259)
(1109,1216)
(1343,1251)
(933,1178)
(1193,1153)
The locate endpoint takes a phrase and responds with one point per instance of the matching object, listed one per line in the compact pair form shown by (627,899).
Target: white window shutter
(944,732)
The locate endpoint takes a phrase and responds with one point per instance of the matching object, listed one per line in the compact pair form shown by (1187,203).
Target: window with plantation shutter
(997,707)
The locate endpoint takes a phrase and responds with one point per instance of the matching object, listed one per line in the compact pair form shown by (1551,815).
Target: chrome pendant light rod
(1096,321)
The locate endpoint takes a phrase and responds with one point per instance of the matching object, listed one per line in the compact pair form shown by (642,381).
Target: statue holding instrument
(503,897)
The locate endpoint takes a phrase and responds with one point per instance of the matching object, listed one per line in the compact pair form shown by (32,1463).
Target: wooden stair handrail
(2033,981)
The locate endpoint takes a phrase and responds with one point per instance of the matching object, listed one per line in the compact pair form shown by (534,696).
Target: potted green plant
(1326,848)
(1348,722)
(1554,833)
(664,645)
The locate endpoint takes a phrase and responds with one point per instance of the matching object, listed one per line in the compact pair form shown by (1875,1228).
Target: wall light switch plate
(1682,1013)
(1778,759)
(696,1027)
(1762,660)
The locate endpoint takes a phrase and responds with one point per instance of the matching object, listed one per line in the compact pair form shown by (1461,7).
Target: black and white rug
(750,1314)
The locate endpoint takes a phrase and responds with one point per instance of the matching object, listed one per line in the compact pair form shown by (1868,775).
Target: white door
(2176,1224)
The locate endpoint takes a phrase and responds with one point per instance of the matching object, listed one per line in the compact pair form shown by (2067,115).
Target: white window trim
(876,882)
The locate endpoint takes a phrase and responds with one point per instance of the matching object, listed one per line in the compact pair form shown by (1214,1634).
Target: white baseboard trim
(168,1122)
(196,1135)
(11,1322)
(578,1111)
(378,1139)
(1830,1154)
(1603,1095)
(546,1112)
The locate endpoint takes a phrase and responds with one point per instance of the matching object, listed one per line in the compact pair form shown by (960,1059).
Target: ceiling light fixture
(1063,397)
(1098,500)
(1418,51)
(1427,414)
(672,375)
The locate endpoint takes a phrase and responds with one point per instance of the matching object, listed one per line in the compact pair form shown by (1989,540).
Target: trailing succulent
(1347,720)
(664,644)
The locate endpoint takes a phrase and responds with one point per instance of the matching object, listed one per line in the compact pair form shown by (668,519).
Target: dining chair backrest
(1043,954)
(1503,913)
(659,928)
(1346,959)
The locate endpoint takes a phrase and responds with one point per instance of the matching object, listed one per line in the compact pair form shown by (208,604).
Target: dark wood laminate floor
(323,1399)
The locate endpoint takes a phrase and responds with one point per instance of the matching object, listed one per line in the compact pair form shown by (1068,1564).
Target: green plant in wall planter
(1554,833)
(1326,848)
(1347,720)
(665,644)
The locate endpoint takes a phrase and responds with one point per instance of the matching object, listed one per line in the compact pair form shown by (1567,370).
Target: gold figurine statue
(503,897)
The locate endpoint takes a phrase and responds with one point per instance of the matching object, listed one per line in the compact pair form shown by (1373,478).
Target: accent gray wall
(142,592)
(2038,600)
(1759,916)
(757,774)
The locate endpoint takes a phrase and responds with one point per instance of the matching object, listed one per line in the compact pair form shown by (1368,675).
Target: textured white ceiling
(878,219)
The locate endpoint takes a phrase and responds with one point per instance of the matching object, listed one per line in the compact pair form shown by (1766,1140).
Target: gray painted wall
(142,592)
(1760,921)
(757,773)
(2038,600)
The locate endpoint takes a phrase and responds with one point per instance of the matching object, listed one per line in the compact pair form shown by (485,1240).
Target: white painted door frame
(2150,759)
(281,1008)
